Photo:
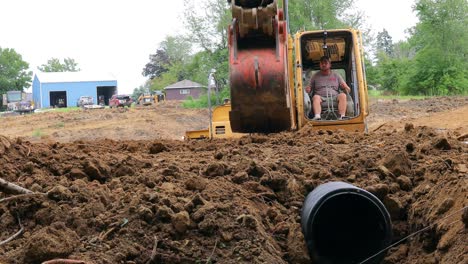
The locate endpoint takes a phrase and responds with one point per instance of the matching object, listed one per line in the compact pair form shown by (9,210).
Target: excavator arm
(258,60)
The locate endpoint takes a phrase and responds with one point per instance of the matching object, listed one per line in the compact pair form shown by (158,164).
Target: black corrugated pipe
(344,224)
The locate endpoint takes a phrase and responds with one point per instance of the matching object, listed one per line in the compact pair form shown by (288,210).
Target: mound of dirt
(229,201)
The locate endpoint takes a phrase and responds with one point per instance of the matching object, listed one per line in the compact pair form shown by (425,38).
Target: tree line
(432,61)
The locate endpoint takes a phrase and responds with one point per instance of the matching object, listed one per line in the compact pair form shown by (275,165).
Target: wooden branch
(154,252)
(64,261)
(13,236)
(20,196)
(462,137)
(104,235)
(212,252)
(379,127)
(13,188)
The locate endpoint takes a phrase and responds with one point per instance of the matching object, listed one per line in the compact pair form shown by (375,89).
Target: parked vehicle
(18,101)
(120,101)
(101,100)
(85,100)
(146,99)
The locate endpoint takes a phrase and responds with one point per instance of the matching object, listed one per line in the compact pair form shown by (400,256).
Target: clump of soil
(227,201)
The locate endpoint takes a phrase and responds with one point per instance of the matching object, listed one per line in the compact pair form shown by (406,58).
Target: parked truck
(18,101)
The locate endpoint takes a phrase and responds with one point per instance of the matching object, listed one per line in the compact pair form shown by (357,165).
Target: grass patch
(67,109)
(202,101)
(37,133)
(60,125)
(375,94)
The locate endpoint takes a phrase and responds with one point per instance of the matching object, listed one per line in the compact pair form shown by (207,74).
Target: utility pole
(211,84)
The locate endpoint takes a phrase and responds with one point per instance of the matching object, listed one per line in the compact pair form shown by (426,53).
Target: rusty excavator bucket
(260,96)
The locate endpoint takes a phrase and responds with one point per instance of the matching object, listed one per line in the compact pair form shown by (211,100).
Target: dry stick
(462,137)
(13,187)
(15,235)
(212,252)
(154,252)
(379,127)
(106,234)
(15,197)
(64,261)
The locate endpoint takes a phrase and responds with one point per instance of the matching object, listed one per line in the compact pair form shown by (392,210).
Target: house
(63,89)
(181,90)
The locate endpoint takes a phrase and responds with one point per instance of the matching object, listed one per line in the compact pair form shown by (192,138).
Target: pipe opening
(345,226)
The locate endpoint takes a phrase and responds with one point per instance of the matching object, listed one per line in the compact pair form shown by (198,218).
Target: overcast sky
(117,36)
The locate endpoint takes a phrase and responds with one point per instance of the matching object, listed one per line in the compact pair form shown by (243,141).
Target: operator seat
(330,108)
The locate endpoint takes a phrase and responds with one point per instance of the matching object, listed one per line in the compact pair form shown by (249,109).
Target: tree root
(64,261)
(154,251)
(15,235)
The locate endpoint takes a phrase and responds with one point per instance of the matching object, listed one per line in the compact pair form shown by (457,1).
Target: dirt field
(121,187)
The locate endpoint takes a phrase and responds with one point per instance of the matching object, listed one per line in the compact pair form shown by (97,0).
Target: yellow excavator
(269,72)
(270,69)
(147,98)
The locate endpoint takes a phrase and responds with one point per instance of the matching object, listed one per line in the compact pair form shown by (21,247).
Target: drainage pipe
(342,223)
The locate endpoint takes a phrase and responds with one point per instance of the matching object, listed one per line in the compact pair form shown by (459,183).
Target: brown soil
(123,188)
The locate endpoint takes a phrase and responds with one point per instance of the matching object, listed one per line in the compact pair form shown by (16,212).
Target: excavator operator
(325,85)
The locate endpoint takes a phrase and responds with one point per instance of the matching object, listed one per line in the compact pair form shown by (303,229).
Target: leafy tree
(138,91)
(372,73)
(176,72)
(322,14)
(173,50)
(159,63)
(54,65)
(403,50)
(13,71)
(441,43)
(204,61)
(384,42)
(168,65)
(207,23)
(392,73)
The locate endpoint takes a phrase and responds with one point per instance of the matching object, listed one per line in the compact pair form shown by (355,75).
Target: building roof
(184,84)
(80,76)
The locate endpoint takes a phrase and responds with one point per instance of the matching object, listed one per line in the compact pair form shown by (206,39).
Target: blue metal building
(63,89)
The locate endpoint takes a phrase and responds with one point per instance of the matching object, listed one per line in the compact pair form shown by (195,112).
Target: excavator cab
(344,48)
